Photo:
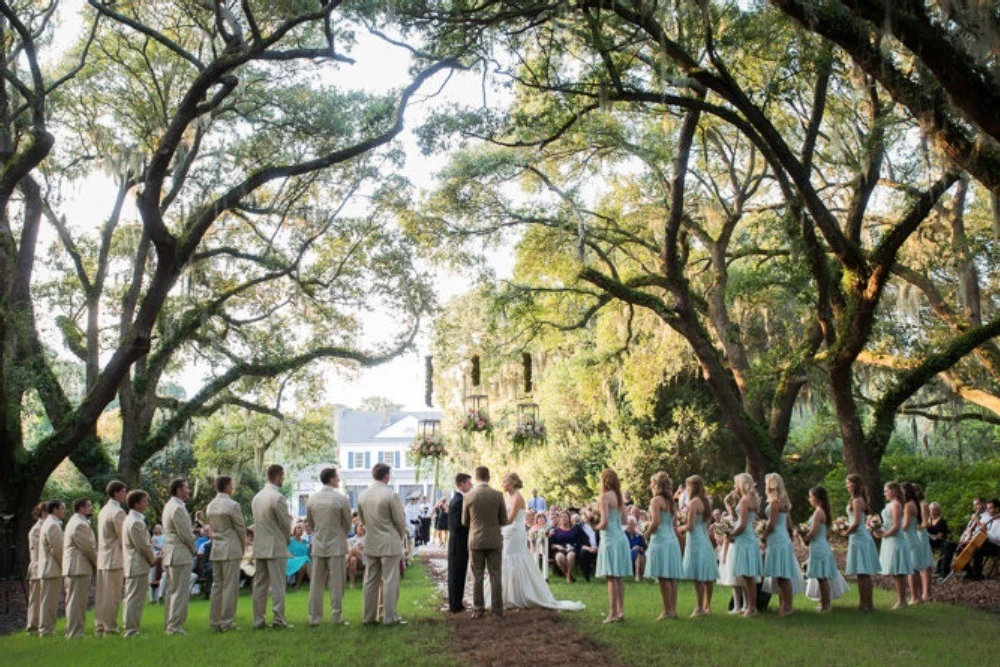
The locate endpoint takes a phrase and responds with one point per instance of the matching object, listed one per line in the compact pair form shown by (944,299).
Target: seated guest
(991,547)
(938,531)
(297,566)
(156,572)
(247,566)
(356,553)
(204,561)
(588,548)
(202,535)
(565,542)
(638,545)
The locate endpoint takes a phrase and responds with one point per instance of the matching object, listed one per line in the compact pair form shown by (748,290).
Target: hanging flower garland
(428,447)
(476,420)
(528,433)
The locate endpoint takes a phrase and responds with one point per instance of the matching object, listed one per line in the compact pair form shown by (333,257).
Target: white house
(367,438)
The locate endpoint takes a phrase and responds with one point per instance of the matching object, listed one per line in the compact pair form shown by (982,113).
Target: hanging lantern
(527,413)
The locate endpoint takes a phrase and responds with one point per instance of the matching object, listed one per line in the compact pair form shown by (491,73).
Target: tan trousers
(327,571)
(34,605)
(492,559)
(175,610)
(135,599)
(381,571)
(49,605)
(270,575)
(225,591)
(108,599)
(77,592)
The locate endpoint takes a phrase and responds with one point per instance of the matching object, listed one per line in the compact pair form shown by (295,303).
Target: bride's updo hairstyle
(513,479)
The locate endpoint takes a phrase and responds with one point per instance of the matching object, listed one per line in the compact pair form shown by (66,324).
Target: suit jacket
(328,513)
(109,536)
(229,531)
(138,554)
(50,549)
(178,543)
(34,537)
(483,511)
(458,535)
(381,510)
(79,548)
(272,523)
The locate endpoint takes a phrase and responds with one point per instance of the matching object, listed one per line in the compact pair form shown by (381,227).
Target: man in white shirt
(990,548)
(537,502)
(412,511)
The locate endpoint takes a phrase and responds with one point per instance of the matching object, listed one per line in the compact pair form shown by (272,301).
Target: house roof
(358,426)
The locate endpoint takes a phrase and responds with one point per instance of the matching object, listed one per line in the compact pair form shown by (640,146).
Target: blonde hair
(696,486)
(609,482)
(775,487)
(664,487)
(513,479)
(743,483)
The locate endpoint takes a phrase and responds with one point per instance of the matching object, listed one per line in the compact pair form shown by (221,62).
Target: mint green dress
(779,558)
(699,556)
(614,557)
(894,556)
(912,542)
(744,552)
(663,557)
(924,555)
(862,556)
(822,564)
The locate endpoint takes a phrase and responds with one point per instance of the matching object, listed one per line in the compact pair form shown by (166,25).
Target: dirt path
(522,637)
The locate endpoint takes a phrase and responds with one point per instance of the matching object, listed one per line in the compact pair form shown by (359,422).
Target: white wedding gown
(523,585)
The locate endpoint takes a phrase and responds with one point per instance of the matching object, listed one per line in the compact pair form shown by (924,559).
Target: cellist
(991,547)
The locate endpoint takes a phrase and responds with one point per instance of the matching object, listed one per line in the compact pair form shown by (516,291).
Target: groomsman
(328,514)
(50,566)
(272,528)
(458,545)
(381,511)
(137,559)
(178,556)
(79,563)
(110,568)
(34,571)
(229,534)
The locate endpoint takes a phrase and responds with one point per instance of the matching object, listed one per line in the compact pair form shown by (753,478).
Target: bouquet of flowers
(723,526)
(476,421)
(803,528)
(874,523)
(427,446)
(840,525)
(760,527)
(528,432)
(536,537)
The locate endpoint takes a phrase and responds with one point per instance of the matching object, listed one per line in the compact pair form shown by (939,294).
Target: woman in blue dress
(699,563)
(894,556)
(920,548)
(663,558)
(822,566)
(614,558)
(744,550)
(911,519)
(779,557)
(862,556)
(297,565)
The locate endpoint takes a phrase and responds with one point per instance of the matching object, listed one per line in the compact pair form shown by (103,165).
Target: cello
(968,544)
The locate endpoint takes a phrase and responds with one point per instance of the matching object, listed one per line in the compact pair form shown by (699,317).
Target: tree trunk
(859,458)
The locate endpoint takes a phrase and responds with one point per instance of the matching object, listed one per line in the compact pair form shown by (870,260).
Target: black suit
(458,554)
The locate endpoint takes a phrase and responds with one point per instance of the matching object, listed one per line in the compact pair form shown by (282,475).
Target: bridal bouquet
(723,526)
(760,527)
(840,524)
(427,446)
(476,421)
(803,529)
(874,523)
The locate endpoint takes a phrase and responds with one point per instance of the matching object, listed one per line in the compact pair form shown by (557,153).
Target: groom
(483,512)
(458,544)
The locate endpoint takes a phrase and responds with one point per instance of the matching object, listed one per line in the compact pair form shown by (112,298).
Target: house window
(356,460)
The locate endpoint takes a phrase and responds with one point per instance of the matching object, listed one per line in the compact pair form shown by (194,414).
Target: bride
(523,585)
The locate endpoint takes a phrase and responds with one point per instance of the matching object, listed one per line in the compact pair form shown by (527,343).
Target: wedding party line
(746,545)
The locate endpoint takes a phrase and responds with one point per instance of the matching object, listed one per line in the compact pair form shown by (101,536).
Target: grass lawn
(930,634)
(420,642)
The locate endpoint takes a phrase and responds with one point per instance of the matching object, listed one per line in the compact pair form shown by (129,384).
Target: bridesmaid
(744,552)
(779,557)
(894,557)
(912,519)
(663,559)
(822,565)
(614,558)
(926,560)
(862,556)
(699,557)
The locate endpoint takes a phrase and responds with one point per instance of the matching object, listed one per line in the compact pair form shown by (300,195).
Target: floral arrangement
(427,446)
(760,527)
(476,421)
(803,528)
(537,537)
(723,527)
(840,525)
(874,522)
(528,432)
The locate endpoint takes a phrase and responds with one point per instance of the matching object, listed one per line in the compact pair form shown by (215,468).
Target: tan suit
(34,578)
(110,570)
(178,559)
(138,559)
(229,535)
(272,528)
(50,556)
(381,511)
(484,512)
(328,513)
(79,563)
